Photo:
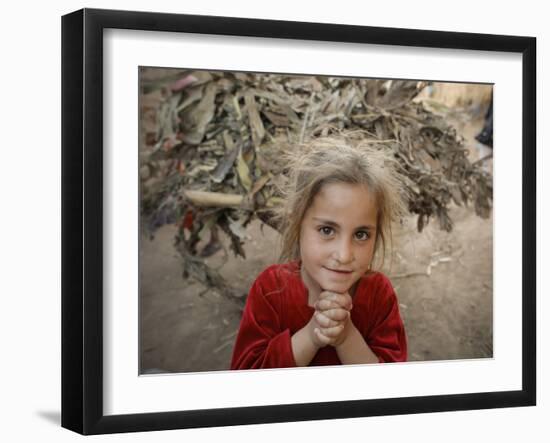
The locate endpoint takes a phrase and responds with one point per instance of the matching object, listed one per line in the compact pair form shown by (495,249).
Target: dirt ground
(444,283)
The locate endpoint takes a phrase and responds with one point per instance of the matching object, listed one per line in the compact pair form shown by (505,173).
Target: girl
(325,305)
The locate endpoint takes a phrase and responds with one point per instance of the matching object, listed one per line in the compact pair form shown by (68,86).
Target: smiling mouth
(339,271)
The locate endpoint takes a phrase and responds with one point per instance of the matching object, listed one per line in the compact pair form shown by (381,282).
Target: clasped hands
(331,321)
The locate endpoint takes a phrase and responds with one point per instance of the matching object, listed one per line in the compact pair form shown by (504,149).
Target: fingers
(322,338)
(343,300)
(328,336)
(333,332)
(325,304)
(335,314)
(332,312)
(324,321)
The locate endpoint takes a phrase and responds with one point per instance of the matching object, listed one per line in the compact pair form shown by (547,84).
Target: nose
(344,251)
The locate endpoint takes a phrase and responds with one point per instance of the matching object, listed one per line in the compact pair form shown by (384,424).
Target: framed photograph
(252,209)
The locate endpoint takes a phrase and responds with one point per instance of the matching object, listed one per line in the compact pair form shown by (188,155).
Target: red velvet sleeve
(261,341)
(387,339)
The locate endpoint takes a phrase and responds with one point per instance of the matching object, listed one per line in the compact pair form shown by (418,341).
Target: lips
(340,271)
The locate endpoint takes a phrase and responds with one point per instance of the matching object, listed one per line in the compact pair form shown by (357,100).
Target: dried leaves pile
(212,162)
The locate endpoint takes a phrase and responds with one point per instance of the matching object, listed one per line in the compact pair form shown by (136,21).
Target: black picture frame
(82,220)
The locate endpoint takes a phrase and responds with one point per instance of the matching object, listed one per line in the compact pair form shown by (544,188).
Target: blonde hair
(340,159)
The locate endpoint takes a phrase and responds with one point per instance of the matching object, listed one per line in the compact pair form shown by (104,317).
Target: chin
(339,287)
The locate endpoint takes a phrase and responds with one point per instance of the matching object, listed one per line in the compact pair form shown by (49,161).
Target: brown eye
(326,231)
(362,235)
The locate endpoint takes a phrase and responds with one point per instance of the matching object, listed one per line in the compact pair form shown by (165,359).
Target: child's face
(337,237)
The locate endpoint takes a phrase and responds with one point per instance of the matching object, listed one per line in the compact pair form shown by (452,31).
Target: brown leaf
(190,96)
(277,119)
(195,120)
(244,172)
(225,165)
(256,126)
(259,184)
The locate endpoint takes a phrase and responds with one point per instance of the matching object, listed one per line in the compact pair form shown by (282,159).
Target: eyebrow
(336,225)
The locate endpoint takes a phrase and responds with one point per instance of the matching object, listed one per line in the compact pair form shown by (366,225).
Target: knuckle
(326,340)
(323,320)
(339,314)
(319,335)
(334,331)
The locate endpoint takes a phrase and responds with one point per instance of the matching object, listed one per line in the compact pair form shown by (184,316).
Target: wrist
(304,345)
(355,350)
(310,327)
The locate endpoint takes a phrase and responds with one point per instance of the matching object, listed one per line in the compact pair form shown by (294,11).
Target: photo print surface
(301,220)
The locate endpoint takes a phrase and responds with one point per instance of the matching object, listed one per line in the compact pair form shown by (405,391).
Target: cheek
(369,254)
(364,254)
(311,247)
(306,244)
(372,247)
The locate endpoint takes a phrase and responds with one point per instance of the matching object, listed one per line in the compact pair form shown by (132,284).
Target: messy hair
(340,159)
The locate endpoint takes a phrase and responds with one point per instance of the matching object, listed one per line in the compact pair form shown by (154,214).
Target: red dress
(277,308)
